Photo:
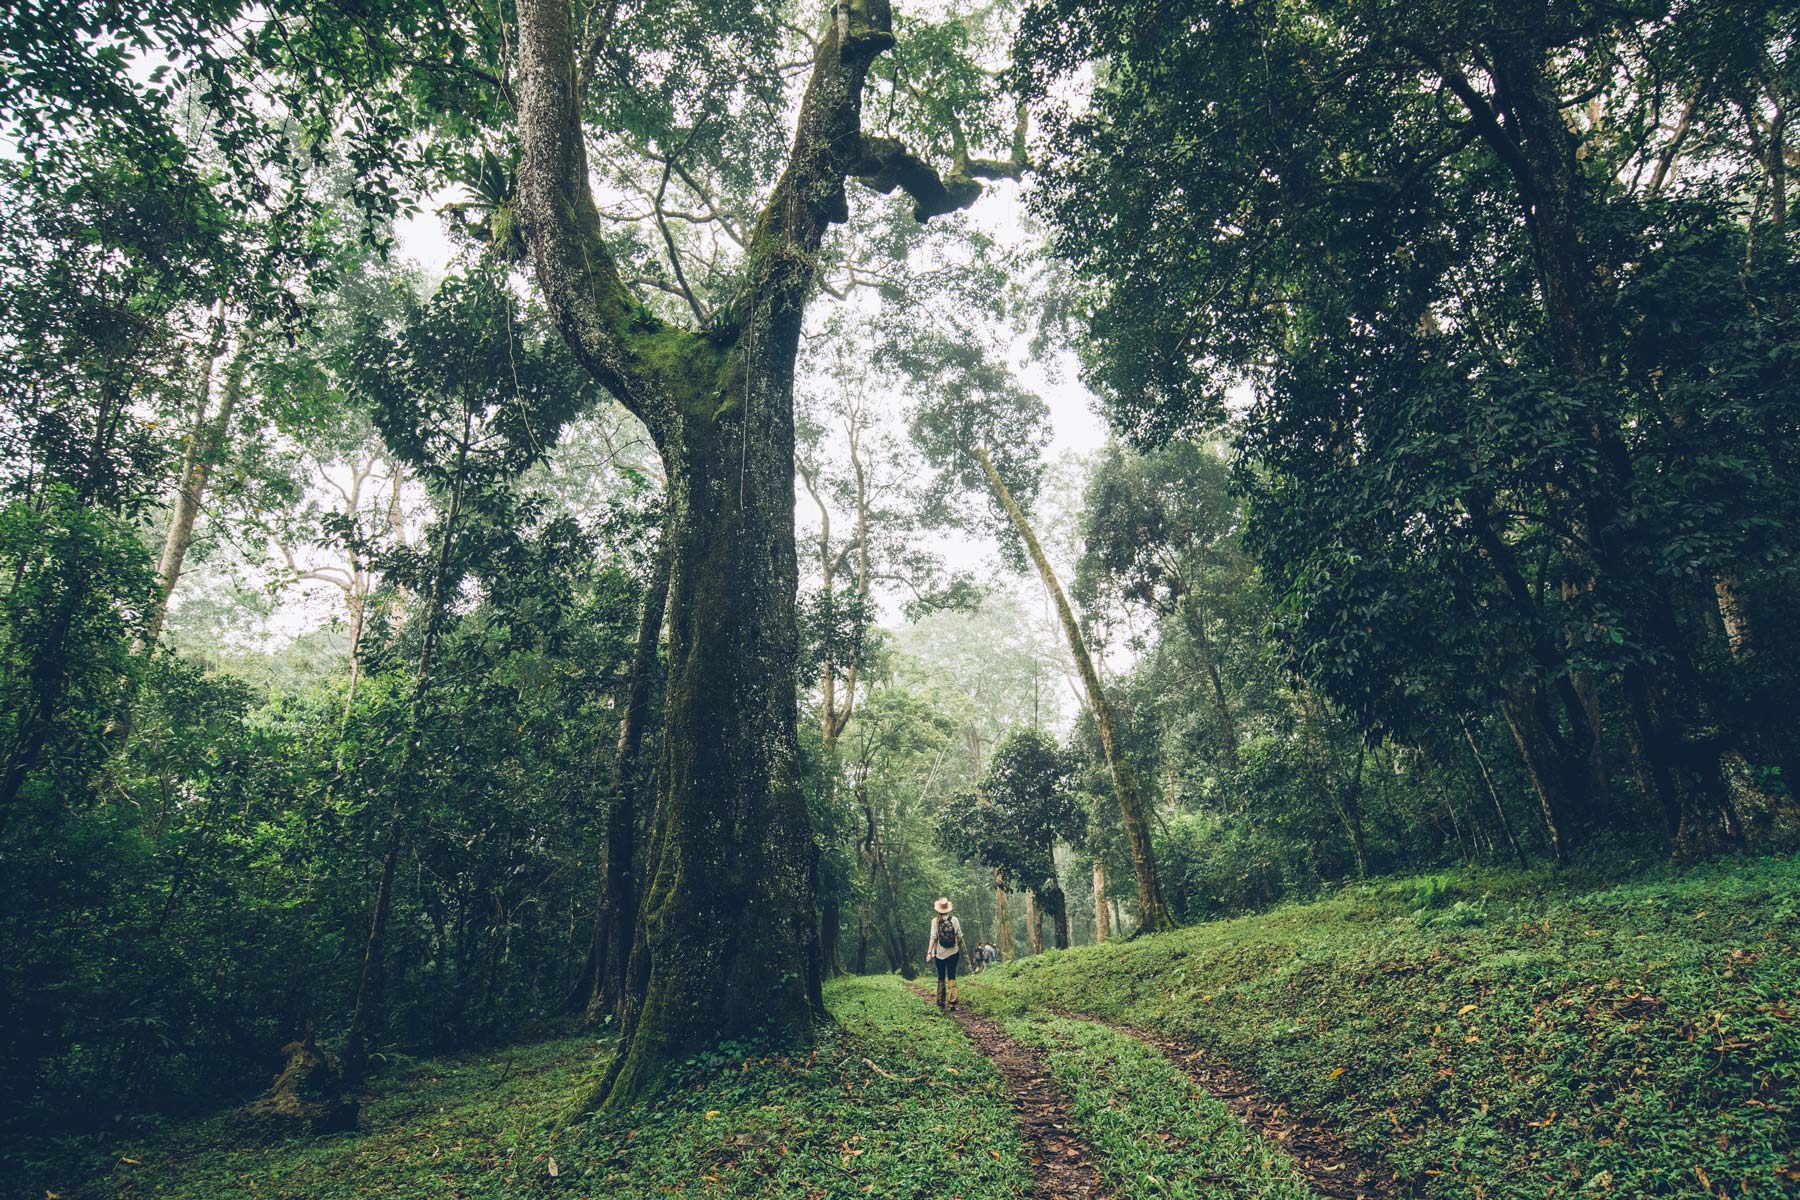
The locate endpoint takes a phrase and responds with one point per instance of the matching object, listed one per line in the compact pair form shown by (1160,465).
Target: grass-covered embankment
(823,1124)
(1156,1136)
(1495,1036)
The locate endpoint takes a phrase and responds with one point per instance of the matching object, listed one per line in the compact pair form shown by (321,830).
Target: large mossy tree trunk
(727,941)
(1153,913)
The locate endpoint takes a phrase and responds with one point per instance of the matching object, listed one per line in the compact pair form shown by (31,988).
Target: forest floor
(1479,1035)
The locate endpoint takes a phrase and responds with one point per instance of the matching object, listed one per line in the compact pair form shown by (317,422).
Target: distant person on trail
(944,949)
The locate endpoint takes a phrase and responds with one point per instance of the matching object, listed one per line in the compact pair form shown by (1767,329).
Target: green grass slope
(1156,1136)
(824,1125)
(1496,1036)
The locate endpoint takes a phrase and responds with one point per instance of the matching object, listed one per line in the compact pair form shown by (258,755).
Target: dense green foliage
(1489,1033)
(1510,288)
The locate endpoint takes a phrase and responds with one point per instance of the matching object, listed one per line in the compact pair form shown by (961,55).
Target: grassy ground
(465,1126)
(821,1126)
(1156,1135)
(1485,1035)
(1496,1036)
(832,1125)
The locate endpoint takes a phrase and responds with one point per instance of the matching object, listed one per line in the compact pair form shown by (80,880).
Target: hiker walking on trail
(944,949)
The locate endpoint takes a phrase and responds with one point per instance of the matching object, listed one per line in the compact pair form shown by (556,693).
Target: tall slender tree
(1153,911)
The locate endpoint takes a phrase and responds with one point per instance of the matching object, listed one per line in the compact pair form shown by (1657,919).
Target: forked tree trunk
(732,880)
(728,943)
(1153,913)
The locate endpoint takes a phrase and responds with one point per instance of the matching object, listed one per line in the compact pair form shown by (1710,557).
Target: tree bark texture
(1153,913)
(617,921)
(203,445)
(1002,920)
(1102,926)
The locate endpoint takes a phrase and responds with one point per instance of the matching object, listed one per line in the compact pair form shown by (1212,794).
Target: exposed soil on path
(1329,1167)
(1062,1163)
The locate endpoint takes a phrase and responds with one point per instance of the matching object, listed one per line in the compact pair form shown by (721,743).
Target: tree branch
(604,324)
(886,164)
(1486,120)
(597,39)
(699,309)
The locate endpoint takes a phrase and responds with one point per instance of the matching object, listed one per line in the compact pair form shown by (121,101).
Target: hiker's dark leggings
(946,970)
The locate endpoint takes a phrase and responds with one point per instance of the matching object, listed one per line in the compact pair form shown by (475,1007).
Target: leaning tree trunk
(196,465)
(1153,913)
(371,980)
(1494,796)
(1542,780)
(1195,620)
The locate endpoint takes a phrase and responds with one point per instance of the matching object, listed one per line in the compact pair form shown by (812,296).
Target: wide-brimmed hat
(943,904)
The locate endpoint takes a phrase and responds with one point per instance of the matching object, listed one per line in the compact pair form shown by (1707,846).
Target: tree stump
(309,1095)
